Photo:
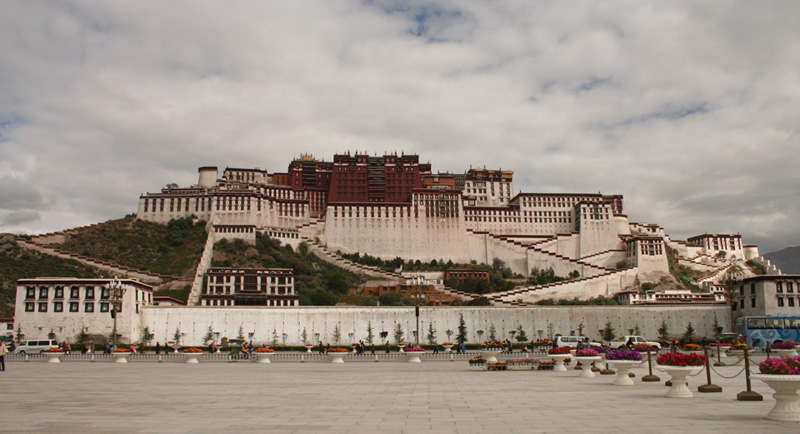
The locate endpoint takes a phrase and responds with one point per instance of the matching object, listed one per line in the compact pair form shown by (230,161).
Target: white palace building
(394,206)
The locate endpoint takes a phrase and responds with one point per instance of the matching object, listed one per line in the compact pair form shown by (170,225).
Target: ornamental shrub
(787,345)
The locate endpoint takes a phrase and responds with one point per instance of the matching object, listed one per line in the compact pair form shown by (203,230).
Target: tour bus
(760,331)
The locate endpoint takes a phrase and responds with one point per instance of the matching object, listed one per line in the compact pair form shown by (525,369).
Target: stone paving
(358,397)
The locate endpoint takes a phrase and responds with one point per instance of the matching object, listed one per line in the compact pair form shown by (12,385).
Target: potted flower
(585,357)
(414,353)
(496,366)
(545,365)
(477,361)
(121,355)
(54,354)
(263,354)
(524,363)
(308,347)
(692,348)
(782,374)
(679,366)
(192,354)
(337,354)
(448,347)
(785,348)
(491,349)
(623,360)
(559,356)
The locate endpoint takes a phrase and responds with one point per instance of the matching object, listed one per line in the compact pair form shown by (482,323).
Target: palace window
(43,292)
(42,307)
(88,307)
(791,301)
(30,293)
(59,292)
(74,292)
(89,293)
(58,306)
(753,302)
(73,306)
(29,307)
(780,302)
(103,307)
(779,287)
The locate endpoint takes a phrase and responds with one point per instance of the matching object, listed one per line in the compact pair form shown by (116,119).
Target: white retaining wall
(194,321)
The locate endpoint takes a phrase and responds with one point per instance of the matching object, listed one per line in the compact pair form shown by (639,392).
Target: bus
(760,331)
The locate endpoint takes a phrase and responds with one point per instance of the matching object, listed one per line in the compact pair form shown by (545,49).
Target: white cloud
(688,109)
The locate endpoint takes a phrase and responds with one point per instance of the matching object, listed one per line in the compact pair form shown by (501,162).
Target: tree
(304,336)
(492,333)
(688,334)
(461,337)
(520,336)
(302,248)
(337,334)
(177,336)
(51,335)
(209,336)
(431,334)
(81,336)
(274,337)
(663,332)
(608,332)
(370,334)
(636,330)
(20,335)
(146,336)
(580,329)
(399,335)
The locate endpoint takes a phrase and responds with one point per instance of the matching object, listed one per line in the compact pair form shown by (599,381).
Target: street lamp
(115,292)
(416,291)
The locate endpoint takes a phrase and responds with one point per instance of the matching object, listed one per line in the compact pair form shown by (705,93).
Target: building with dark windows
(272,287)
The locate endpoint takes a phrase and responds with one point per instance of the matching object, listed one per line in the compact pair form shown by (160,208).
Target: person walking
(3,352)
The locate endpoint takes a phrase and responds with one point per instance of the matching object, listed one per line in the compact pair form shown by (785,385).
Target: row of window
(58,292)
(787,301)
(74,306)
(789,287)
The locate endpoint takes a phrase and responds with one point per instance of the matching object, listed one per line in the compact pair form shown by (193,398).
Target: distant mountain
(787,260)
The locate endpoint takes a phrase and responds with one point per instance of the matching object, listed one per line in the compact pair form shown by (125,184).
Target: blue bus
(760,331)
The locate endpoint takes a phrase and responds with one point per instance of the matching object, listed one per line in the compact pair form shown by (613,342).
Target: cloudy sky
(689,109)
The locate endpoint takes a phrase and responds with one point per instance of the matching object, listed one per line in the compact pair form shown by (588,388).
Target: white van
(572,341)
(38,346)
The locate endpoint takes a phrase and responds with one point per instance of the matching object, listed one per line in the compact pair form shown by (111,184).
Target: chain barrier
(723,376)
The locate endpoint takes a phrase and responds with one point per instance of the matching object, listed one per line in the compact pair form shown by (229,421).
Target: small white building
(66,306)
(249,287)
(767,295)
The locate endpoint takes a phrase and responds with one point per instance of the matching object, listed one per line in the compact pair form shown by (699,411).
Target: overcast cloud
(689,109)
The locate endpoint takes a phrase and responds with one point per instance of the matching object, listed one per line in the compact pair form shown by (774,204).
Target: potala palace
(394,206)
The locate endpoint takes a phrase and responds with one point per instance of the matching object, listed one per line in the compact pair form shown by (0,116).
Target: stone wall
(262,322)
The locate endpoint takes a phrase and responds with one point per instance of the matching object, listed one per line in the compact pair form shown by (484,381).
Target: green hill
(172,249)
(18,263)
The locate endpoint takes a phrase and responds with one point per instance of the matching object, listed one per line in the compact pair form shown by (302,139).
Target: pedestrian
(3,352)
(321,348)
(629,344)
(373,349)
(327,347)
(704,342)
(435,348)
(158,348)
(387,347)
(463,348)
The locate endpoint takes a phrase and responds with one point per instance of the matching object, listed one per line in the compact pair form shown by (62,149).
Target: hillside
(317,282)
(17,263)
(165,249)
(787,260)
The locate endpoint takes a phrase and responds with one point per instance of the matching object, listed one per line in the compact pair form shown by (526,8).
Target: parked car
(37,346)
(635,340)
(572,341)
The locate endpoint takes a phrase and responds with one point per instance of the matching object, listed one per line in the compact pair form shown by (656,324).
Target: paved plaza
(360,397)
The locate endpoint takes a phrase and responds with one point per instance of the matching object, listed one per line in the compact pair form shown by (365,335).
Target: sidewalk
(360,397)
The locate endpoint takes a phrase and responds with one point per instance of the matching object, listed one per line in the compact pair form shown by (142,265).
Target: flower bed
(54,350)
(624,355)
(338,350)
(480,360)
(780,366)
(192,350)
(264,350)
(122,350)
(543,343)
(413,349)
(496,366)
(559,350)
(521,362)
(494,344)
(586,352)
(678,359)
(644,348)
(787,345)
(448,343)
(545,365)
(691,347)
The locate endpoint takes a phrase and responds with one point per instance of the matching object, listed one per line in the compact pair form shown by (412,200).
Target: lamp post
(416,291)
(115,293)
